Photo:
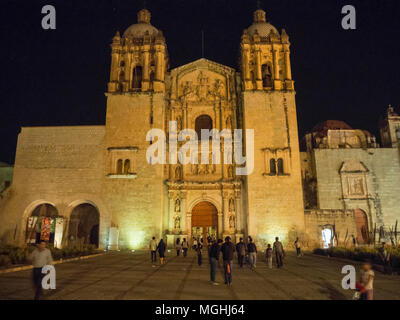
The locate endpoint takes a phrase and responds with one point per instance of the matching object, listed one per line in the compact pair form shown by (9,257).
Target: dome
(261,25)
(323,127)
(143,27)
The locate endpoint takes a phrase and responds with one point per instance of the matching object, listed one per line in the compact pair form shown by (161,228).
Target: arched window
(127,166)
(272,166)
(119,166)
(137,78)
(266,75)
(280,167)
(203,122)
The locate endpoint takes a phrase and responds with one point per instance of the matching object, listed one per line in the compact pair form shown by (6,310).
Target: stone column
(171,211)
(226,212)
(159,66)
(183,216)
(276,63)
(288,69)
(238,214)
(189,225)
(258,64)
(246,61)
(146,68)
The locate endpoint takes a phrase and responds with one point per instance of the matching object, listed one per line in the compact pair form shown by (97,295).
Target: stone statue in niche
(231,205)
(177,223)
(229,123)
(232,222)
(177,205)
(230,172)
(178,173)
(179,123)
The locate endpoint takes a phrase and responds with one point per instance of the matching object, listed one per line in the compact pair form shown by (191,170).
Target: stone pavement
(126,275)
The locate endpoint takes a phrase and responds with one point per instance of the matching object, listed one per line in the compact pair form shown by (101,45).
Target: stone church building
(93,184)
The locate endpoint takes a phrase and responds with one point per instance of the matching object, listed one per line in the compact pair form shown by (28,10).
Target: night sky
(58,77)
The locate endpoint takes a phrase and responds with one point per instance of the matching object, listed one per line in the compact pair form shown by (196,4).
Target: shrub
(361,254)
(4,260)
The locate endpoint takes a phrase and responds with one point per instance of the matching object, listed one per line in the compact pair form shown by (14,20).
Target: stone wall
(61,166)
(317,220)
(274,202)
(380,194)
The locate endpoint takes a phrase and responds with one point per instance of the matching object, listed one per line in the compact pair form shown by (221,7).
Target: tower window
(272,167)
(119,166)
(137,78)
(266,75)
(280,167)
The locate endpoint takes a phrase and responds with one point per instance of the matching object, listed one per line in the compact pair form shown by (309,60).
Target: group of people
(246,253)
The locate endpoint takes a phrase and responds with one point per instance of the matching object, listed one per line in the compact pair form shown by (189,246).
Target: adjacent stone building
(97,185)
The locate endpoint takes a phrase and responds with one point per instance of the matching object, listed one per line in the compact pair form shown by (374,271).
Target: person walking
(195,244)
(161,251)
(178,247)
(185,247)
(268,254)
(199,254)
(297,245)
(241,252)
(214,257)
(153,249)
(227,250)
(367,281)
(279,252)
(384,254)
(252,251)
(40,257)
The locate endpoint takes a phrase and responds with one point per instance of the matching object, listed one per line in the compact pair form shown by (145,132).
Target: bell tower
(265,56)
(274,189)
(139,59)
(135,105)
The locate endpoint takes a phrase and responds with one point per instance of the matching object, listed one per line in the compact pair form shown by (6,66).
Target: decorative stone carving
(177,222)
(204,90)
(232,221)
(231,205)
(177,205)
(178,173)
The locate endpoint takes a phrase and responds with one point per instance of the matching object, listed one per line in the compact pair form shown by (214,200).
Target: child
(268,254)
(367,282)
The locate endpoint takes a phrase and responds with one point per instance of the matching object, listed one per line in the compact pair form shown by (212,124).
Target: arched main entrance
(84,225)
(41,224)
(204,220)
(362,226)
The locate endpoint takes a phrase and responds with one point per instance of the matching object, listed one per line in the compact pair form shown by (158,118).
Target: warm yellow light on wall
(136,239)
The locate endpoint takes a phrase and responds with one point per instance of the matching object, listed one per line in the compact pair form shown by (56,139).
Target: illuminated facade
(96,185)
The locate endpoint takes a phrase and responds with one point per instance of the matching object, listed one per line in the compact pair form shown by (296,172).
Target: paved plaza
(126,275)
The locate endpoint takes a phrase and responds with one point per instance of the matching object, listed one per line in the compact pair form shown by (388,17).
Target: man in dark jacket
(241,252)
(214,257)
(227,250)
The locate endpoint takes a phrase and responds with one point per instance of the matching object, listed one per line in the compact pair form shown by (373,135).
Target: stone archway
(84,225)
(361,226)
(204,220)
(41,224)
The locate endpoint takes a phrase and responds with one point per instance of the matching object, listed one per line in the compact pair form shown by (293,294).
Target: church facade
(94,184)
